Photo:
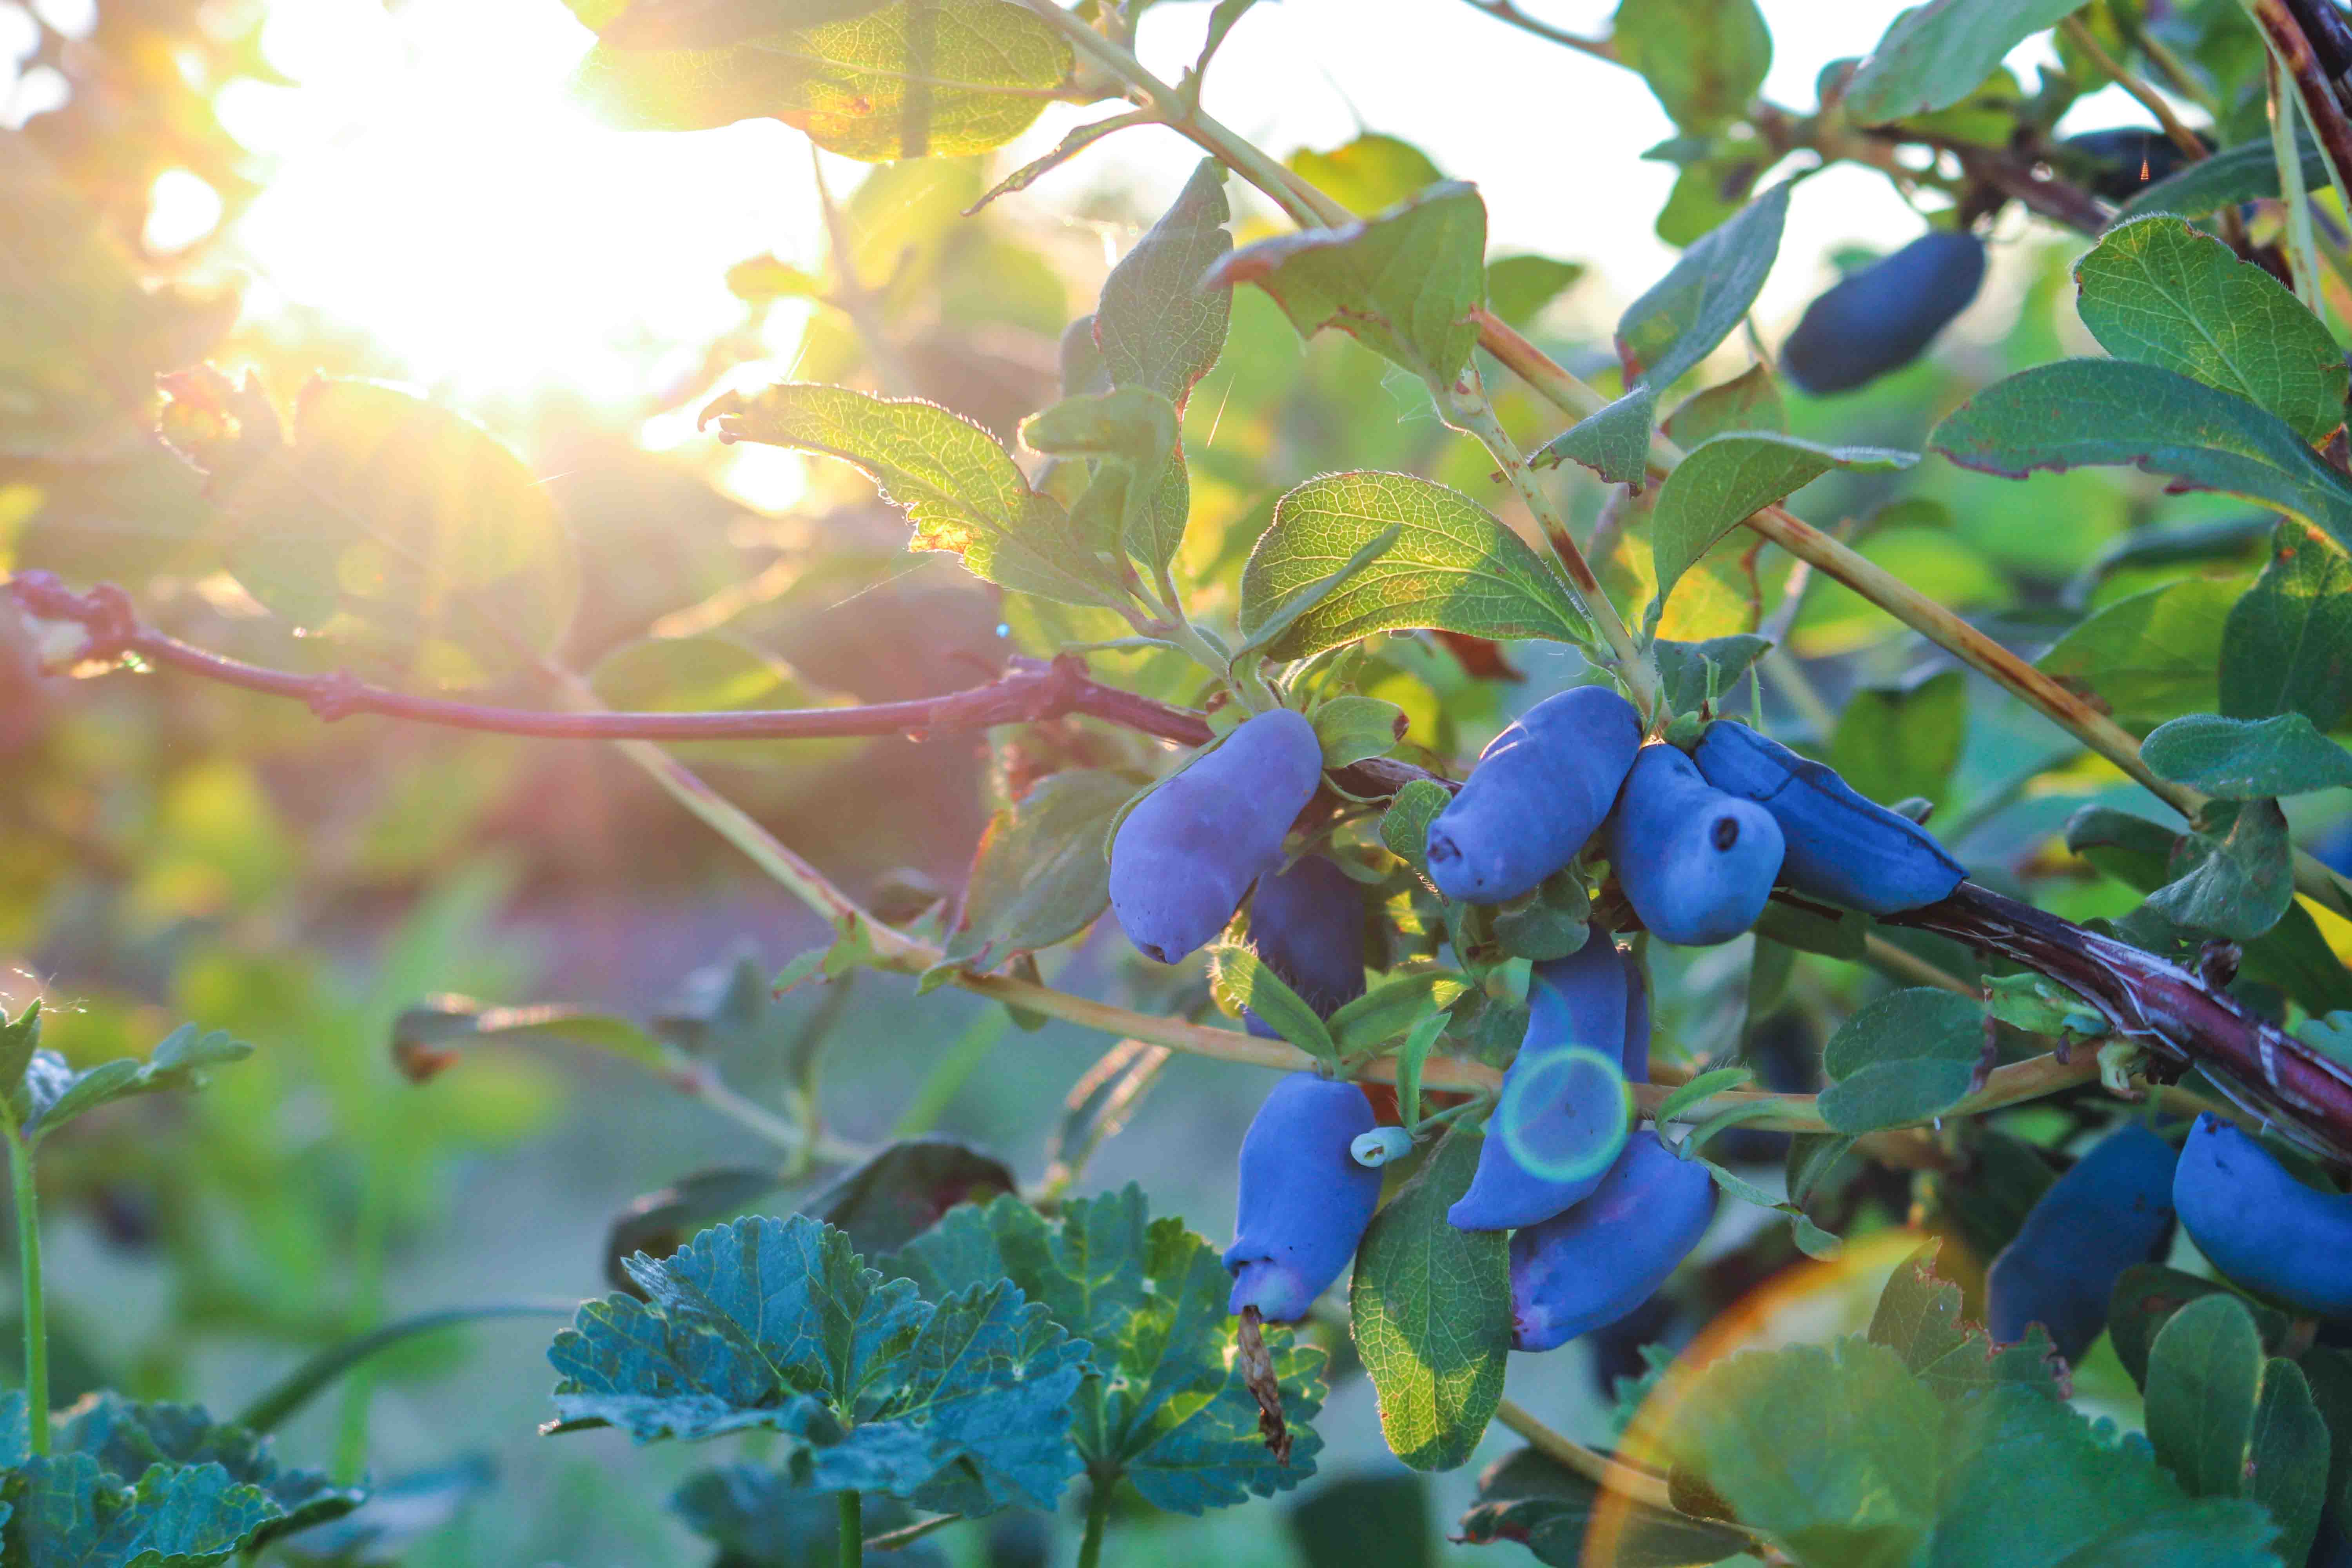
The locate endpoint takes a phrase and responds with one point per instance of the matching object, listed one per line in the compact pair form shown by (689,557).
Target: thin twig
(1620,1476)
(1504,11)
(2192,146)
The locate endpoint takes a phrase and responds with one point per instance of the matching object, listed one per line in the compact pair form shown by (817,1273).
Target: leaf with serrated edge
(1430,1309)
(777,1323)
(1170,1411)
(1038,876)
(961,490)
(2287,647)
(2240,759)
(1452,567)
(1403,282)
(1918,1317)
(126,1437)
(2079,412)
(65,1512)
(2160,293)
(1730,477)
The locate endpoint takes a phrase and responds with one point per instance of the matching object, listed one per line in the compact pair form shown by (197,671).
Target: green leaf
(2107,411)
(127,1439)
(943,77)
(1240,980)
(2160,293)
(2328,1374)
(658,1222)
(1902,1058)
(1665,333)
(961,490)
(904,1191)
(1156,326)
(2150,656)
(2287,645)
(1519,287)
(1402,283)
(1699,1088)
(20,1038)
(1452,567)
(1404,826)
(2288,1458)
(2028,1480)
(1391,1007)
(959,1407)
(714,673)
(2242,759)
(2204,1376)
(1354,728)
(1704,58)
(51,1093)
(1936,55)
(1891,743)
(66,1511)
(1918,1317)
(1269,631)
(1731,477)
(1695,673)
(1547,1507)
(1131,434)
(1170,1411)
(2241,874)
(2146,1297)
(2246,172)
(1430,1309)
(1831,1450)
(700,24)
(426,1039)
(1369,173)
(397,525)
(1749,401)
(1038,876)
(757,1519)
(1550,920)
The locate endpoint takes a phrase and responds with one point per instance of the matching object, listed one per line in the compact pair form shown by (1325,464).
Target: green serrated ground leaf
(67,1512)
(126,1437)
(945,77)
(2106,411)
(961,490)
(1452,567)
(2160,293)
(1732,476)
(1038,876)
(1902,1058)
(777,1323)
(1936,55)
(1918,1317)
(1169,1410)
(1431,1312)
(2239,875)
(2246,759)
(1402,282)
(2287,647)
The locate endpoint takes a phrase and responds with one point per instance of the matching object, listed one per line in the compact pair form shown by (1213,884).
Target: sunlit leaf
(1369,173)
(1038,876)
(1704,58)
(1519,287)
(2150,656)
(1452,567)
(1936,54)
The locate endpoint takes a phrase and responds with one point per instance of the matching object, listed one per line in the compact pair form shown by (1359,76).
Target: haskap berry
(1697,864)
(1879,319)
(1585,999)
(1184,858)
(2112,1209)
(2259,1226)
(1842,845)
(1305,1199)
(1608,1254)
(1538,791)
(1307,923)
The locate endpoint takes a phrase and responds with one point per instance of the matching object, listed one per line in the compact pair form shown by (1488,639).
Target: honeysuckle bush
(2010,681)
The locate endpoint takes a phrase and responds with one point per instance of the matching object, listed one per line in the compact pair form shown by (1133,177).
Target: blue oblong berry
(1304,1200)
(1538,791)
(1697,864)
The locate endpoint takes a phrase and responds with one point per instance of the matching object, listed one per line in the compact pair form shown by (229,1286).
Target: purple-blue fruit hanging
(1538,791)
(2112,1209)
(1696,863)
(1842,845)
(1308,925)
(1566,1116)
(1880,317)
(1304,1201)
(1608,1254)
(2259,1226)
(1185,857)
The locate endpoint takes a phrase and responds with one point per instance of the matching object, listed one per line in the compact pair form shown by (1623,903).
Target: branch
(1030,690)
(2298,52)
(1504,11)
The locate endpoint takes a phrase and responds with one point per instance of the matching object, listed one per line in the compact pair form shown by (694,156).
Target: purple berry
(2111,1210)
(1304,1201)
(1696,863)
(1608,1254)
(1307,924)
(1537,794)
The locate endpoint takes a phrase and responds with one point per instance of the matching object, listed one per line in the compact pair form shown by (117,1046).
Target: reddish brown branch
(2283,22)
(1030,689)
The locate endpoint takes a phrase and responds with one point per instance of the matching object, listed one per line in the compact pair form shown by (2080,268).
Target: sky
(434,187)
